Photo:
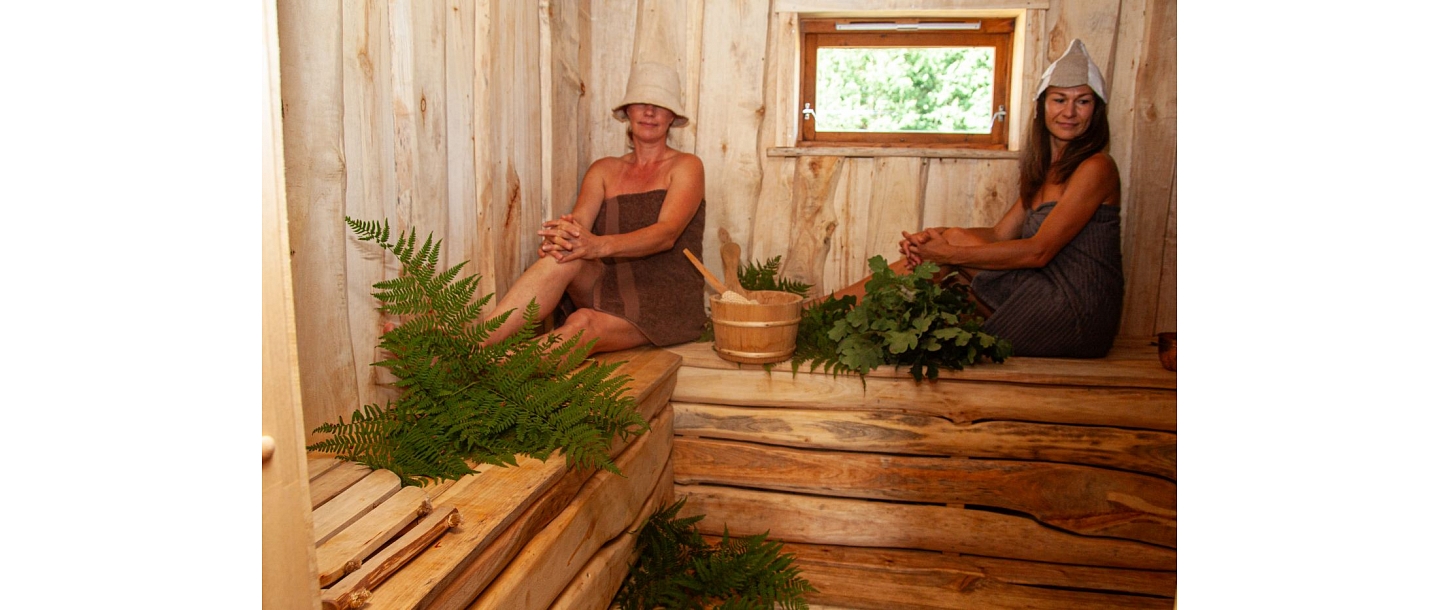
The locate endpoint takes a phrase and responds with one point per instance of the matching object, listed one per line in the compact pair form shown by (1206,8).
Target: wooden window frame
(994,32)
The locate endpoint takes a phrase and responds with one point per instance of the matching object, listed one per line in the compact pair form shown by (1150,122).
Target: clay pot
(1167,351)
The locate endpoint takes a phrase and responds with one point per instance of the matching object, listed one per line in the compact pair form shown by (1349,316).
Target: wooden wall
(475,119)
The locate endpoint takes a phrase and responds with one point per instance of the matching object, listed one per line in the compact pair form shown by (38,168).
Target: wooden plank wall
(827,215)
(476,118)
(424,114)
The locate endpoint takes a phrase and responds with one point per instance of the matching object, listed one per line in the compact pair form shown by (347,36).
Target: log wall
(475,119)
(1039,483)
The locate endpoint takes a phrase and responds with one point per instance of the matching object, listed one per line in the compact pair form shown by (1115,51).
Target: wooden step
(1056,476)
(496,512)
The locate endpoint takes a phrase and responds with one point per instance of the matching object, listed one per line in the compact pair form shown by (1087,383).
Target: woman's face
(648,120)
(1068,111)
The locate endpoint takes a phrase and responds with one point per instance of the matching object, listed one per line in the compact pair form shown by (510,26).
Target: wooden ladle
(730,259)
(709,277)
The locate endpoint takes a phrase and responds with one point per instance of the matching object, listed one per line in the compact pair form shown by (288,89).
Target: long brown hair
(1035,162)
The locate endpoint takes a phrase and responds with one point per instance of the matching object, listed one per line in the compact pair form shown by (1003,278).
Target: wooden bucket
(760,333)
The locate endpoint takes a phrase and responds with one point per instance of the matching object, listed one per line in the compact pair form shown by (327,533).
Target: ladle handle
(730,259)
(709,277)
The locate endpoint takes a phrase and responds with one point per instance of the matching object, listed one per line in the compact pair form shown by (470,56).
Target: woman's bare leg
(610,333)
(544,282)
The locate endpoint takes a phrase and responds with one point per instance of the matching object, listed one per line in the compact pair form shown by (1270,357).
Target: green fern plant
(676,569)
(766,276)
(903,320)
(462,402)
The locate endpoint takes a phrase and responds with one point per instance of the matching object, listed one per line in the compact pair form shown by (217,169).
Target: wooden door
(288,557)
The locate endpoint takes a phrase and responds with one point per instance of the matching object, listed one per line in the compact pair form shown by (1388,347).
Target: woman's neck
(650,152)
(1057,147)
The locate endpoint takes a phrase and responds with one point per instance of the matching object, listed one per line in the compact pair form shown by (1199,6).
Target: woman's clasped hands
(564,239)
(913,246)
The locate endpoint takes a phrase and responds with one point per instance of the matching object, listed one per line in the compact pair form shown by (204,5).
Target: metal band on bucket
(781,354)
(755,324)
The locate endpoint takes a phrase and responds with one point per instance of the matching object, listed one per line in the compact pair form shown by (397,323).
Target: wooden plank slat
(470,580)
(1084,500)
(598,582)
(317,466)
(336,480)
(567,87)
(958,401)
(728,125)
(771,235)
(895,201)
(1144,582)
(356,589)
(612,32)
(523,494)
(847,256)
(1133,450)
(518,158)
(820,6)
(1120,102)
(602,509)
(1152,171)
(778,128)
(865,523)
(313,107)
(353,503)
(883,586)
(429,211)
(969,193)
(345,551)
(1167,309)
(459,137)
(1029,63)
(483,118)
(370,185)
(812,221)
(1132,363)
(490,503)
(287,558)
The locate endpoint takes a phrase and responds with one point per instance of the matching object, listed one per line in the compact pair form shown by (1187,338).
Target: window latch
(808,113)
(999,116)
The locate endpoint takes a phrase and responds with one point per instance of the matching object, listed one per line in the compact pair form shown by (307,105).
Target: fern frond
(466,402)
(675,568)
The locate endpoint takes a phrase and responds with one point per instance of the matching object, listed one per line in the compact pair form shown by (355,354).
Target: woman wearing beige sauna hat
(618,255)
(1048,275)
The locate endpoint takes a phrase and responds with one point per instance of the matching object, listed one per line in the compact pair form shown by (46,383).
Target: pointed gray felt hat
(1073,69)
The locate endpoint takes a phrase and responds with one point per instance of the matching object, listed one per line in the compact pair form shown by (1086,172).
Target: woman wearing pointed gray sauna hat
(1047,277)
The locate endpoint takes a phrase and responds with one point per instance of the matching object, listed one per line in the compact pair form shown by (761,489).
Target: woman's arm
(1008,228)
(682,199)
(1095,181)
(556,234)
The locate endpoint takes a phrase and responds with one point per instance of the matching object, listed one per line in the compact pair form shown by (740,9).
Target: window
(905,82)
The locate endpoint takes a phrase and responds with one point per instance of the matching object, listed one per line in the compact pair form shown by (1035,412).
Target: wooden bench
(536,535)
(1037,483)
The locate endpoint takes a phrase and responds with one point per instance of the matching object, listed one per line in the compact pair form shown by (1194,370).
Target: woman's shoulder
(1100,162)
(1099,167)
(687,162)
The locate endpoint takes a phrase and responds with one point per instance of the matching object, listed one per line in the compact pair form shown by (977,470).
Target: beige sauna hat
(1073,69)
(656,84)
